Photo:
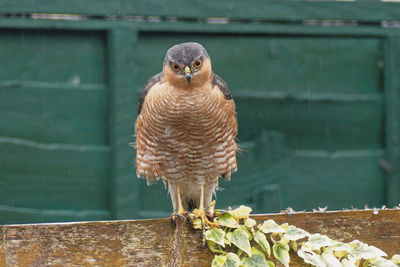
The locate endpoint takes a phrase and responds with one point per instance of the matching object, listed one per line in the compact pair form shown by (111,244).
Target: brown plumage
(186,128)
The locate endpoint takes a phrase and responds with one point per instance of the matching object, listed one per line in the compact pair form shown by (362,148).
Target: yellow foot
(201,214)
(205,223)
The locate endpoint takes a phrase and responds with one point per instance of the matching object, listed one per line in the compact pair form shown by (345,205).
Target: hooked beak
(188,74)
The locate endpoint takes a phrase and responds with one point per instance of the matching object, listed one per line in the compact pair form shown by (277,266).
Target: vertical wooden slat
(124,190)
(392,87)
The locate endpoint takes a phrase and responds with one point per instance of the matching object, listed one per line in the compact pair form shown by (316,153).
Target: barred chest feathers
(190,137)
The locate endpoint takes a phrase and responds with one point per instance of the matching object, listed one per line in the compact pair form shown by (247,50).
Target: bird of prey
(186,129)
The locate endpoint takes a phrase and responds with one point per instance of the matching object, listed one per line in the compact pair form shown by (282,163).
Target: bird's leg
(181,211)
(200,212)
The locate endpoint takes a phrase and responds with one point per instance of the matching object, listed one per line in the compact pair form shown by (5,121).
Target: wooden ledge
(158,242)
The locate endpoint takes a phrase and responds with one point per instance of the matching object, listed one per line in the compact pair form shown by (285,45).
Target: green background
(316,86)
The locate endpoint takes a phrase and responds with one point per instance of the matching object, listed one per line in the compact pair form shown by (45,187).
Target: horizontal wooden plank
(370,11)
(65,179)
(73,85)
(315,125)
(159,242)
(307,97)
(110,243)
(54,146)
(53,56)
(12,215)
(54,114)
(268,63)
(149,24)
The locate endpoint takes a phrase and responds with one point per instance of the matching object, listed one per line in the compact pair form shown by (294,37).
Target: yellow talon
(181,211)
(201,213)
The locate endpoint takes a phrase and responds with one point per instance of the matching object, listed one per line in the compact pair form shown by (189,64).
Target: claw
(205,223)
(181,215)
(201,214)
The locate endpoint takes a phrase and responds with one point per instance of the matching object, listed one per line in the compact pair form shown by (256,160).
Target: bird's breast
(187,134)
(191,110)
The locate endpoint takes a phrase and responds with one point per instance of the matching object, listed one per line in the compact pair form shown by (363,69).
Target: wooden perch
(158,242)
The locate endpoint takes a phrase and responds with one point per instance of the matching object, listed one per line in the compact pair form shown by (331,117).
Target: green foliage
(228,260)
(240,239)
(228,220)
(240,242)
(281,252)
(262,241)
(216,235)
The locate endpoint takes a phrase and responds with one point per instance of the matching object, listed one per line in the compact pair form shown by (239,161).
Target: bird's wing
(231,122)
(217,81)
(153,80)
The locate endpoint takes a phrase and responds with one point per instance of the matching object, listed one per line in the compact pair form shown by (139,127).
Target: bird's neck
(197,83)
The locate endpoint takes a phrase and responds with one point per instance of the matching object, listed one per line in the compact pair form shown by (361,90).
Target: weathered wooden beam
(159,242)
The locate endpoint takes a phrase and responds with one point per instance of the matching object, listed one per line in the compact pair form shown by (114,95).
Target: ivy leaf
(281,252)
(216,235)
(270,226)
(339,254)
(363,251)
(256,251)
(214,247)
(330,259)
(240,239)
(349,262)
(242,212)
(228,220)
(261,240)
(197,224)
(311,257)
(250,235)
(293,245)
(218,261)
(381,262)
(232,260)
(228,260)
(285,226)
(316,241)
(340,246)
(227,242)
(293,233)
(256,260)
(396,259)
(249,222)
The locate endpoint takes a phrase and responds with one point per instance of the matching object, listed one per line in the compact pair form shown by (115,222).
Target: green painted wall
(317,106)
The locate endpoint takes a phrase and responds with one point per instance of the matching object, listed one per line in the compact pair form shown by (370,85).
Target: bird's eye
(176,67)
(197,63)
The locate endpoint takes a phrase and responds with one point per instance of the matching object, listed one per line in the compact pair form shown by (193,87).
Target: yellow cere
(187,70)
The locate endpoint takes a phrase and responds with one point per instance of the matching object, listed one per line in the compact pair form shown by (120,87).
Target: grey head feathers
(185,53)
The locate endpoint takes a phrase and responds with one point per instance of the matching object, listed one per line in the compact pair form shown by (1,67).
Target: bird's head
(187,64)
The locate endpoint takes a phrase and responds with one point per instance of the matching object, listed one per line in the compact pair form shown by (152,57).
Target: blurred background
(316,85)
